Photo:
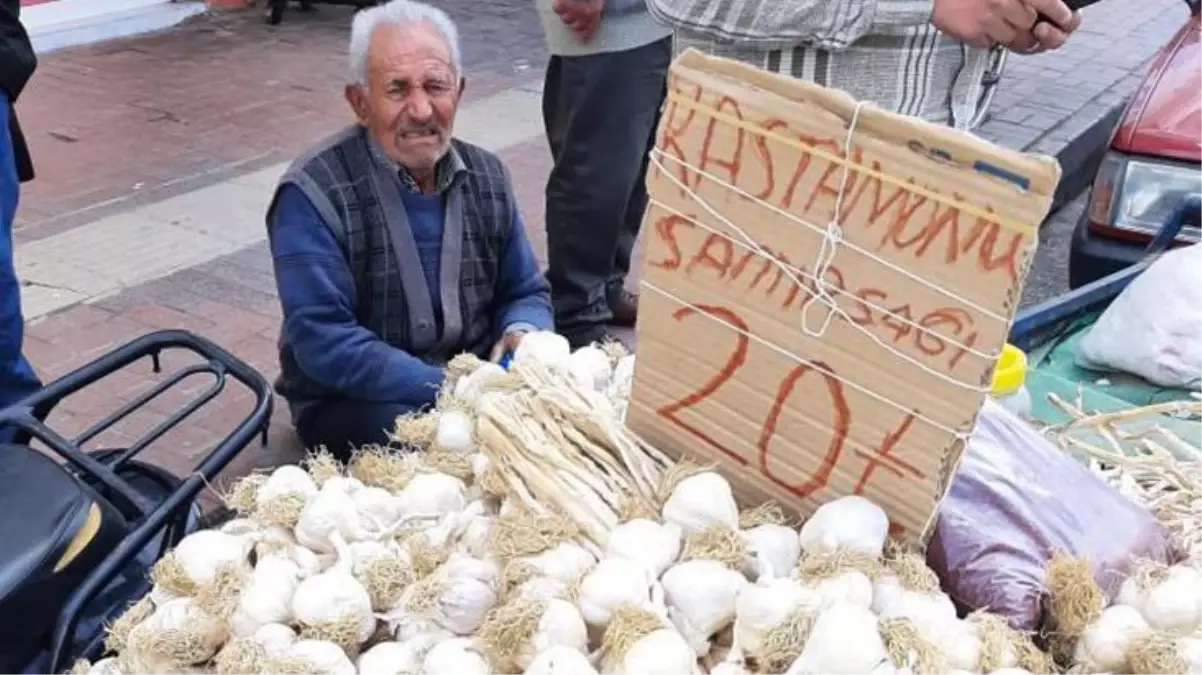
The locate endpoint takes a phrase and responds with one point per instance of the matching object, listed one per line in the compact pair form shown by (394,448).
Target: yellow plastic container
(1009,379)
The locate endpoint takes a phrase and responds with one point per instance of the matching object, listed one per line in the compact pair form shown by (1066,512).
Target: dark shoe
(625,307)
(596,335)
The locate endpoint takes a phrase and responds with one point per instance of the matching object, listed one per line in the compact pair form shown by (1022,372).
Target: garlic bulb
(560,660)
(654,545)
(852,523)
(324,657)
(765,605)
(433,495)
(843,641)
(455,433)
(201,555)
(701,500)
(471,386)
(701,596)
(267,596)
(456,656)
(1103,647)
(472,535)
(612,583)
(275,639)
(1167,597)
(845,587)
(910,590)
(659,653)
(332,511)
(566,562)
(179,633)
(397,658)
(458,603)
(285,481)
(775,548)
(378,509)
(108,666)
(323,602)
(590,367)
(544,347)
(520,630)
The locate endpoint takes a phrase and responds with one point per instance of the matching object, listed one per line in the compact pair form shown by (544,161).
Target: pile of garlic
(433,562)
(1153,625)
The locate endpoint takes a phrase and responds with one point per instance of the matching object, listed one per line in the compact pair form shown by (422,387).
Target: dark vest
(358,191)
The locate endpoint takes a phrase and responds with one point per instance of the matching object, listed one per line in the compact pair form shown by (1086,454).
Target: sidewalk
(148,209)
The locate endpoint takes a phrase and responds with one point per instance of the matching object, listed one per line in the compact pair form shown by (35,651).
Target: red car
(1154,161)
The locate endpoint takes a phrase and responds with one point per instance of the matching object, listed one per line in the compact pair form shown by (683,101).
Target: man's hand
(508,342)
(1010,23)
(582,17)
(1052,34)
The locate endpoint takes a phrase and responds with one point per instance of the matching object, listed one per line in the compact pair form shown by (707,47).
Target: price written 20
(841,424)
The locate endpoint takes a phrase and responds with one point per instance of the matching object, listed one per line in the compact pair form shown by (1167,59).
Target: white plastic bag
(1153,329)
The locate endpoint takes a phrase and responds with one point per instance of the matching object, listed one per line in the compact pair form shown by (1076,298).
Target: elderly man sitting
(396,246)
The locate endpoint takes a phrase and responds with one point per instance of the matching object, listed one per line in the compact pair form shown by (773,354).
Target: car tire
(1079,272)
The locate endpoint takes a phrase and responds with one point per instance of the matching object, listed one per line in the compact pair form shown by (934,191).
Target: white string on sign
(818,367)
(831,238)
(788,272)
(802,274)
(657,155)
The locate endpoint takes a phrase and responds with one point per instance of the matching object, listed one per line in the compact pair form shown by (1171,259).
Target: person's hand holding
(582,17)
(508,342)
(1051,33)
(1010,23)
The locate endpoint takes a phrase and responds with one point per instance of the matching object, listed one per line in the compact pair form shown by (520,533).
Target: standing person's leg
(597,133)
(17,378)
(343,426)
(648,87)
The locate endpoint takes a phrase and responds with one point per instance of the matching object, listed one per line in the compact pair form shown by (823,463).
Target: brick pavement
(225,94)
(130,122)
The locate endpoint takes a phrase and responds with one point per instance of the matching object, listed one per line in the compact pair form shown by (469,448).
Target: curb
(1080,157)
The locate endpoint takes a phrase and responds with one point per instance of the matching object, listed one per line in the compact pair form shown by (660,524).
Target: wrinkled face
(408,104)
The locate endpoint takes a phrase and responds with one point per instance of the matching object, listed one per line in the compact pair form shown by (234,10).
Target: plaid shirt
(883,51)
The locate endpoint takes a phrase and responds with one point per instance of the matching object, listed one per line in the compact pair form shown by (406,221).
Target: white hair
(397,12)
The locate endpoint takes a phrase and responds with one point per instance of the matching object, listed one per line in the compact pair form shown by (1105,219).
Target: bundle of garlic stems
(1145,463)
(560,449)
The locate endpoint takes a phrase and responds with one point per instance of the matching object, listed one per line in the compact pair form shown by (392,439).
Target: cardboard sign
(923,271)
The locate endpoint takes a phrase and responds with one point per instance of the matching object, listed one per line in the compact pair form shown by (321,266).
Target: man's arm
(523,297)
(774,24)
(317,292)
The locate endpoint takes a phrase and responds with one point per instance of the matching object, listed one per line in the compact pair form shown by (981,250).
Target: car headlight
(1140,195)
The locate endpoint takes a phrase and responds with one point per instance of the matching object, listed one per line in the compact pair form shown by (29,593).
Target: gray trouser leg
(600,112)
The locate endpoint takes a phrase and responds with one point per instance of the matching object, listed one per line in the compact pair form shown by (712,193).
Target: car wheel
(1079,269)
